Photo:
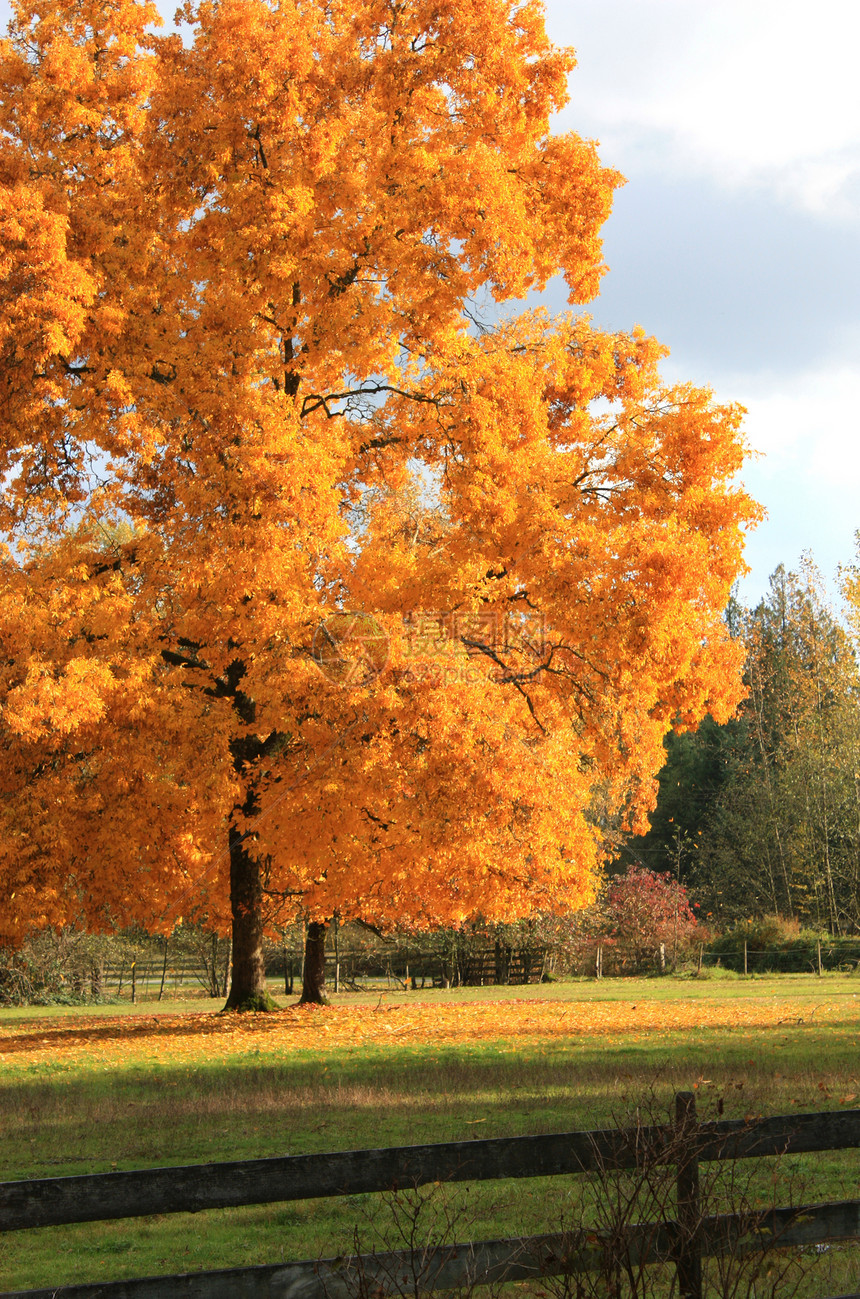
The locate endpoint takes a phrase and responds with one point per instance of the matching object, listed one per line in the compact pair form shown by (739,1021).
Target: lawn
(92,1089)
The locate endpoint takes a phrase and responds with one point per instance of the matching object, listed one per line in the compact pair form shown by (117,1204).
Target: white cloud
(758,93)
(814,416)
(807,476)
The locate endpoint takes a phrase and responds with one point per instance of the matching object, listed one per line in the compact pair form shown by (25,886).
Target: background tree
(239,312)
(768,802)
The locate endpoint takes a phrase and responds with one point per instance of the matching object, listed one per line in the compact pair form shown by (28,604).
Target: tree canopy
(257,377)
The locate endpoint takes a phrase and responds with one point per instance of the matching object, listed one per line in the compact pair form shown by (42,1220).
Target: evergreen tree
(761,815)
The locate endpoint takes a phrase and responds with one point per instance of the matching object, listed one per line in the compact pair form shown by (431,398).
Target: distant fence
(469,965)
(149,975)
(682,1242)
(840,954)
(152,977)
(611,957)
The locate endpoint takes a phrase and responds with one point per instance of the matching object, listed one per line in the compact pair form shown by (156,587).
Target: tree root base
(258,1003)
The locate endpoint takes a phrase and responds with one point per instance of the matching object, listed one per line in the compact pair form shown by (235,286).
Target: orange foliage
(244,392)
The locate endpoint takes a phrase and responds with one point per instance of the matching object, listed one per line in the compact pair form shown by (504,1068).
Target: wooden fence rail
(451,1267)
(48,1202)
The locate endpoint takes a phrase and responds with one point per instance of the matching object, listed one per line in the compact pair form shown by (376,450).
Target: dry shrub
(619,1235)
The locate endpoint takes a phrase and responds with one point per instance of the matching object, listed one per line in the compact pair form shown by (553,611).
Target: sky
(736,240)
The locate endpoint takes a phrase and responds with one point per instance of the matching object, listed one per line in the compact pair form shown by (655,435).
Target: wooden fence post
(134,981)
(820,971)
(662,957)
(227,963)
(163,969)
(598,963)
(745,958)
(699,964)
(689,1260)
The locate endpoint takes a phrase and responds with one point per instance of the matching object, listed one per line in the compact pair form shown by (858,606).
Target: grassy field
(96,1088)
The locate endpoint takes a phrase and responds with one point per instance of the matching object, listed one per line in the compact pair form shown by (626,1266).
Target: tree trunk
(313,983)
(248,989)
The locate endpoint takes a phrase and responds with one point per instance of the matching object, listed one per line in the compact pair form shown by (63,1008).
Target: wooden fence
(682,1242)
(146,978)
(467,966)
(149,975)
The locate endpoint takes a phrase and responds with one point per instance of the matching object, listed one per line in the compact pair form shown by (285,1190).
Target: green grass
(268,1102)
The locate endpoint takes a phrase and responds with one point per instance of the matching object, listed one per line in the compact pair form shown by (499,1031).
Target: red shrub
(643,909)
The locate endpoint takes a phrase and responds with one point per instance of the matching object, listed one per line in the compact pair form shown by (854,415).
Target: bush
(54,966)
(636,913)
(69,966)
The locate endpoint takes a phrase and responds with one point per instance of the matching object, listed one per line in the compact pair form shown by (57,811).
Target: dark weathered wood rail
(50,1201)
(449,1267)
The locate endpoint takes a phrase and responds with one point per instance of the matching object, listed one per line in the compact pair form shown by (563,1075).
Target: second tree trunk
(313,984)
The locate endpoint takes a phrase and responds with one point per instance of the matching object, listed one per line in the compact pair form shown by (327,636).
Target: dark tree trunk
(248,988)
(313,985)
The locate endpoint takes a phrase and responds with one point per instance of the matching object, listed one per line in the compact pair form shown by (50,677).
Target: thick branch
(314,401)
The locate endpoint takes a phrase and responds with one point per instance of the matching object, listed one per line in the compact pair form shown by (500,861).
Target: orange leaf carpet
(201,1038)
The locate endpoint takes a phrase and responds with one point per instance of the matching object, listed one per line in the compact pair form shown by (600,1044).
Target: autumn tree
(244,282)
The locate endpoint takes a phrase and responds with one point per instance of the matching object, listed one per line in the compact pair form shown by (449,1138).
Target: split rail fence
(682,1243)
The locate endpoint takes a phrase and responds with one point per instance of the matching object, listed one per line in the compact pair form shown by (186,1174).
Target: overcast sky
(736,240)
